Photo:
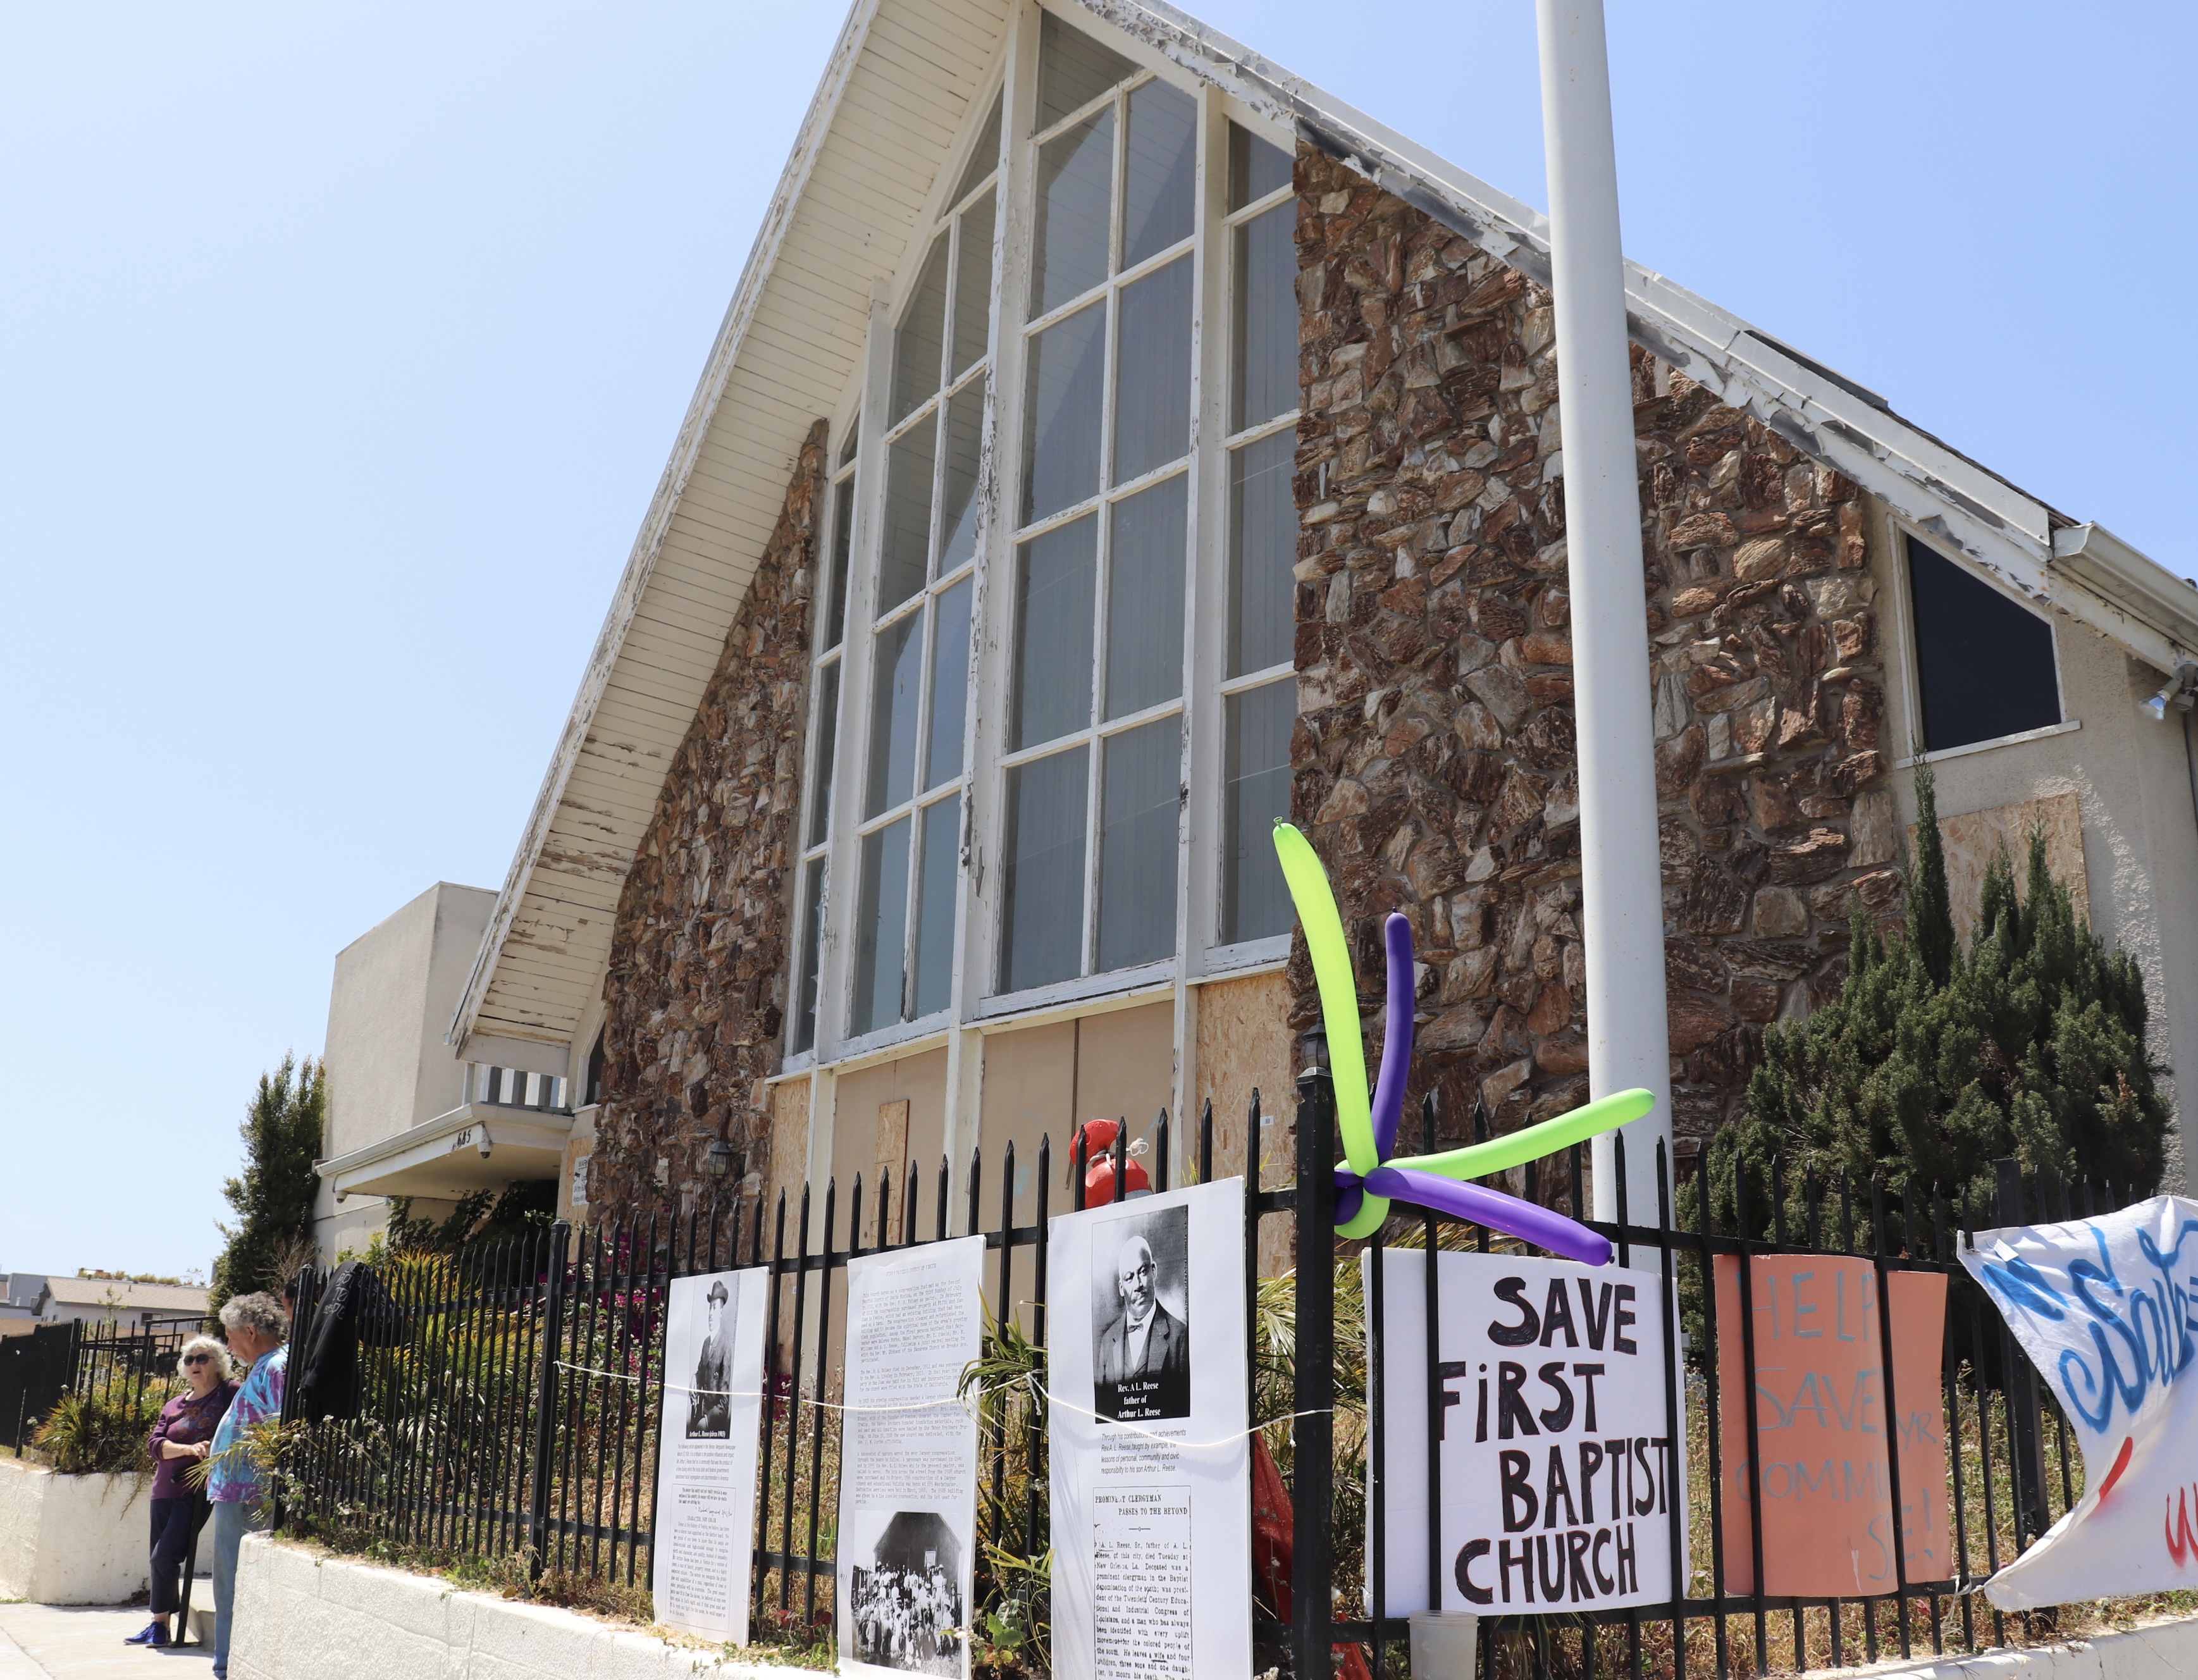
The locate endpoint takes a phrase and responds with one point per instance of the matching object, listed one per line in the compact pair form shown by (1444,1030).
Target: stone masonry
(1433,754)
(696,991)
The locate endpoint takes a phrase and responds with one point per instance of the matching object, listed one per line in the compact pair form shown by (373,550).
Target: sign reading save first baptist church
(1559,1474)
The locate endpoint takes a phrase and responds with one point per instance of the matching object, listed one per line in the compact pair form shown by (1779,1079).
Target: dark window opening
(596,1069)
(1984,664)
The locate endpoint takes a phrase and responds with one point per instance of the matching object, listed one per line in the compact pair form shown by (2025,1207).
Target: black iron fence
(509,1399)
(101,1362)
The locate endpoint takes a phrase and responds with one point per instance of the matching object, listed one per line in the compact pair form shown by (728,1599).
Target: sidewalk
(49,1641)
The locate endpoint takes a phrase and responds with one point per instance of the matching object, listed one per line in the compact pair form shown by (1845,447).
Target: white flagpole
(1622,909)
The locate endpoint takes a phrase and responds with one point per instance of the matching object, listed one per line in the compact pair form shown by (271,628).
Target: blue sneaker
(155,1634)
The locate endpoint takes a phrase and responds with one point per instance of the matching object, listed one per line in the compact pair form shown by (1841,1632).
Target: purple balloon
(1350,1192)
(1389,1106)
(1539,1225)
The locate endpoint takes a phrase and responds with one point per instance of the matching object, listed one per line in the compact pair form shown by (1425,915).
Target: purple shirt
(186,1420)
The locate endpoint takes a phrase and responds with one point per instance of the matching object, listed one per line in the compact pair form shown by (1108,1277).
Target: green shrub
(89,1434)
(1933,1062)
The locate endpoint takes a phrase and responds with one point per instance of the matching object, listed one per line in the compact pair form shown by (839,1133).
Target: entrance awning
(479,1146)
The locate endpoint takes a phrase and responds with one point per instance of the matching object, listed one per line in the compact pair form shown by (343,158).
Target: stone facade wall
(696,995)
(1434,755)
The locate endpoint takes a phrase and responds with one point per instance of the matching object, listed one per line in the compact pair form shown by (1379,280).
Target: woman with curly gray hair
(256,1325)
(183,1437)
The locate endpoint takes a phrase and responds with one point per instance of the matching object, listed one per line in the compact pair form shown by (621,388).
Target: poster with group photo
(908,1460)
(1152,1466)
(1558,1476)
(706,1450)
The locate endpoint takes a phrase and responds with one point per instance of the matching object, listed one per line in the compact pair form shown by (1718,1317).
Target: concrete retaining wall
(302,1617)
(2164,1651)
(72,1539)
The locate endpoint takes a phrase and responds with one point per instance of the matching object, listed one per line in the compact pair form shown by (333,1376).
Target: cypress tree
(274,1195)
(1933,1063)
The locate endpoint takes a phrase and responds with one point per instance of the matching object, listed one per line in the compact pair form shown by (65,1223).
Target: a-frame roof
(871,157)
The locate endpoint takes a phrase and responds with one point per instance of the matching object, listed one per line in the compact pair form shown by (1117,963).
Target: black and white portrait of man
(1140,1315)
(709,1403)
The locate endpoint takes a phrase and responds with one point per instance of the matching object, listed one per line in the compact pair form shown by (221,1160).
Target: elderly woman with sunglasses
(182,1437)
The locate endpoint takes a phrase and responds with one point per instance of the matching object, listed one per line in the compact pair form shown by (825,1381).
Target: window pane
(1263,552)
(1075,187)
(950,686)
(921,337)
(828,737)
(957,495)
(1263,358)
(934,906)
(1256,167)
(881,929)
(1062,404)
(901,565)
(1152,378)
(1255,796)
(973,286)
(1138,807)
(853,442)
(984,155)
(899,675)
(1144,598)
(1073,71)
(1156,179)
(812,953)
(1985,664)
(1054,577)
(1043,929)
(843,534)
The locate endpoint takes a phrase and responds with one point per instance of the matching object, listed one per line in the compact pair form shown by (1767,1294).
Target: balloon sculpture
(1368,1180)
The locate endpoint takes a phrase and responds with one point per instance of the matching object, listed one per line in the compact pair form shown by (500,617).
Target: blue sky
(341,349)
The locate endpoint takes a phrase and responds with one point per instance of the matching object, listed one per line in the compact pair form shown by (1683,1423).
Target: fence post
(2026,1432)
(545,1402)
(1313,1431)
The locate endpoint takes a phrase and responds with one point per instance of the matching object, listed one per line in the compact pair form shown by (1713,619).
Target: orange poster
(1821,1423)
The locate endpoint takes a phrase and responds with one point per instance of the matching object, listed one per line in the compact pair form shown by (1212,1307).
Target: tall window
(1071,522)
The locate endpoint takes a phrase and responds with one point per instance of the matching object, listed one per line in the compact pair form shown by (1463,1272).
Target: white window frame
(985,764)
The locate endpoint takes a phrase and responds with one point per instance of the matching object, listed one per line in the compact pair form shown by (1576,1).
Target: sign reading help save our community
(1555,1421)
(2104,1308)
(1822,1405)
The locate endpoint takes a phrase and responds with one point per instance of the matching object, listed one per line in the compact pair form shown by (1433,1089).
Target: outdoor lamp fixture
(2182,688)
(717,1160)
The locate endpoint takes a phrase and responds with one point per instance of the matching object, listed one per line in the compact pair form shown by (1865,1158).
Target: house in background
(1114,444)
(406,1116)
(127,1304)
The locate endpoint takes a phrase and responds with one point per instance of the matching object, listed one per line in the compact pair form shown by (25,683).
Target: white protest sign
(1555,1434)
(1152,1462)
(706,1449)
(2104,1309)
(908,1460)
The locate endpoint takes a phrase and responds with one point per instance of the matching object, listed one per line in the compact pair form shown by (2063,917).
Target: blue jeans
(232,1520)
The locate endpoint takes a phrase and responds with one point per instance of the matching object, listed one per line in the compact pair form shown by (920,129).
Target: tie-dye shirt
(235,1478)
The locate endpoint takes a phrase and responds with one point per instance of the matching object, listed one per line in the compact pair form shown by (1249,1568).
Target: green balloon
(1339,995)
(1479,1161)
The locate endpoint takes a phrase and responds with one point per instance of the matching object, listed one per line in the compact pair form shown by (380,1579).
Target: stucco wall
(2133,785)
(71,1539)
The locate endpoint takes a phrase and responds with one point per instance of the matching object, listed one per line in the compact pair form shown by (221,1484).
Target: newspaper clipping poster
(907,1476)
(1152,1467)
(706,1452)
(1558,1473)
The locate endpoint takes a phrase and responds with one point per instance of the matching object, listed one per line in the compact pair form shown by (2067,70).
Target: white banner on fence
(908,1460)
(1555,1434)
(2104,1307)
(706,1445)
(1152,1464)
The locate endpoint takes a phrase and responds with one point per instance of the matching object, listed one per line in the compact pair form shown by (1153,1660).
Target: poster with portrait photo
(706,1452)
(1140,1313)
(908,1460)
(1152,1462)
